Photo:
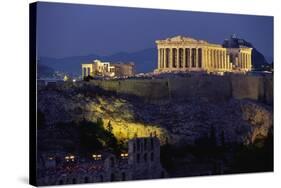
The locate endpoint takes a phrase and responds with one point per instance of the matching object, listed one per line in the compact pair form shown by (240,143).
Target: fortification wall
(206,87)
(148,89)
(209,88)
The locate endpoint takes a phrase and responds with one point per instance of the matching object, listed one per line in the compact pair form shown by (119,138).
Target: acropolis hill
(142,106)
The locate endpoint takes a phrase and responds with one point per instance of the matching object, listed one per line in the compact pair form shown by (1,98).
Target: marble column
(159,58)
(250,62)
(208,58)
(164,58)
(196,57)
(243,61)
(183,58)
(212,58)
(215,59)
(171,58)
(219,59)
(203,57)
(239,60)
(190,58)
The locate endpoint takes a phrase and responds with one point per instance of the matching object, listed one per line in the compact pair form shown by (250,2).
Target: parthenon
(181,53)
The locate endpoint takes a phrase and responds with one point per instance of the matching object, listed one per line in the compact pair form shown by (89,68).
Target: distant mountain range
(44,71)
(145,60)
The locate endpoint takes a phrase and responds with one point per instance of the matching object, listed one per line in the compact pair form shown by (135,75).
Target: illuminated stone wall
(209,88)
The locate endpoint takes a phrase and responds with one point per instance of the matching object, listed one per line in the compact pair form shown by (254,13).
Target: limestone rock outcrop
(179,122)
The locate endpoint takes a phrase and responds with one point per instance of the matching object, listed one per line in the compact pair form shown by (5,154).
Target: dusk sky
(66,30)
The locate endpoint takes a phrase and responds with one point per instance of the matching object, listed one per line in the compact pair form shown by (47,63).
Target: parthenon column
(219,57)
(171,58)
(165,62)
(206,58)
(246,57)
(161,66)
(196,57)
(203,58)
(245,63)
(183,57)
(222,64)
(242,60)
(162,58)
(209,58)
(158,58)
(219,61)
(239,60)
(212,58)
(224,60)
(190,58)
(215,59)
(250,62)
(177,60)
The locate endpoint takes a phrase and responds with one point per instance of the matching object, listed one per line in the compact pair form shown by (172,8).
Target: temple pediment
(180,38)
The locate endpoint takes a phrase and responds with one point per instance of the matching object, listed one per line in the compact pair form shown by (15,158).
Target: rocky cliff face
(260,119)
(179,122)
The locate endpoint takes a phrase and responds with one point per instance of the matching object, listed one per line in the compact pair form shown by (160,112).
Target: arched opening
(61,182)
(74,181)
(134,147)
(138,145)
(152,156)
(123,176)
(151,144)
(145,157)
(112,177)
(112,162)
(138,158)
(86,180)
(101,178)
(145,144)
(162,174)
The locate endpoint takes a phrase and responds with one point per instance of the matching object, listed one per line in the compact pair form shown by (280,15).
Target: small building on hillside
(107,69)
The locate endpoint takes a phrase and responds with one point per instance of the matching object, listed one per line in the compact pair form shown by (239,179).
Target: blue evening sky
(66,30)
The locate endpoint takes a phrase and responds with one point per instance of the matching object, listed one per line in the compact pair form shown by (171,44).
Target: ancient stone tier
(187,54)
